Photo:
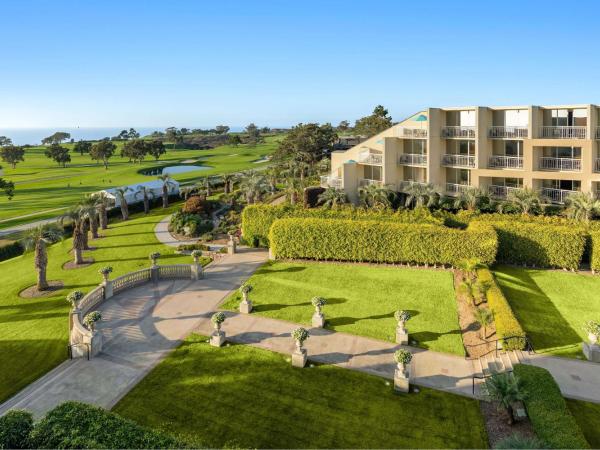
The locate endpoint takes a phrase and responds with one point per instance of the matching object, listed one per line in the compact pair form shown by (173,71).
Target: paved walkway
(164,236)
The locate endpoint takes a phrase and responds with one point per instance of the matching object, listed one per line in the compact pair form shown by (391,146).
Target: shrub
(91,318)
(74,297)
(402,316)
(507,325)
(195,205)
(15,427)
(189,224)
(384,242)
(77,425)
(193,247)
(551,418)
(300,334)
(11,250)
(105,270)
(403,356)
(218,318)
(519,441)
(257,219)
(595,255)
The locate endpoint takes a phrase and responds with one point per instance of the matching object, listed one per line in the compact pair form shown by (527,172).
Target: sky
(276,63)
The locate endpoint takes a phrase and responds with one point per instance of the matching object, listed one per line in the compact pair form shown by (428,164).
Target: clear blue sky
(199,63)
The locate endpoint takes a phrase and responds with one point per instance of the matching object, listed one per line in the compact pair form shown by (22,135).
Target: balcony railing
(560,164)
(497,132)
(458,160)
(505,162)
(403,185)
(458,132)
(500,191)
(375,159)
(455,188)
(329,181)
(366,182)
(556,195)
(563,132)
(413,159)
(418,133)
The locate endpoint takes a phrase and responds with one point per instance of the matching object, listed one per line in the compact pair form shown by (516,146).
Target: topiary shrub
(15,427)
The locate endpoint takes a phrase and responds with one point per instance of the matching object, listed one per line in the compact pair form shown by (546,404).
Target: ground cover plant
(361,299)
(551,306)
(251,398)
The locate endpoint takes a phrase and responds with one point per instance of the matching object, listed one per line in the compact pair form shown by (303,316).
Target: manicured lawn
(251,398)
(34,332)
(552,306)
(587,416)
(42,186)
(361,299)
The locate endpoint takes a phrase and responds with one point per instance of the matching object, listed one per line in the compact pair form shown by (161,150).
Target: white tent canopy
(134,193)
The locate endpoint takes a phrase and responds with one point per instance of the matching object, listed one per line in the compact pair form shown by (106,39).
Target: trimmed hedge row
(595,253)
(380,241)
(257,219)
(551,419)
(505,321)
(11,250)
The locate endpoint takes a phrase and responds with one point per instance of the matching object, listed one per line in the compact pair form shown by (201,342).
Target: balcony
(560,164)
(418,133)
(505,162)
(556,195)
(412,159)
(563,132)
(458,132)
(508,132)
(597,165)
(374,159)
(329,181)
(458,160)
(500,191)
(455,188)
(363,182)
(403,185)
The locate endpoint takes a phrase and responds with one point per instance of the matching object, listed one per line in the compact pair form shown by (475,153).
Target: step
(496,365)
(485,368)
(477,368)
(508,367)
(514,358)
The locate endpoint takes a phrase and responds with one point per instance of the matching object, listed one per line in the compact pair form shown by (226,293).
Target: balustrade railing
(413,159)
(94,297)
(500,191)
(370,158)
(563,132)
(412,132)
(560,164)
(131,280)
(456,188)
(502,132)
(175,271)
(458,160)
(458,132)
(556,195)
(505,162)
(366,182)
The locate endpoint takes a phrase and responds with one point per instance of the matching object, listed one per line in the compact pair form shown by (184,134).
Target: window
(467,118)
(372,173)
(417,146)
(569,117)
(516,118)
(564,152)
(466,148)
(513,148)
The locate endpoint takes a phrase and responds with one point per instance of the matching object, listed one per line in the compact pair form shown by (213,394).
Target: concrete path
(28,225)
(164,236)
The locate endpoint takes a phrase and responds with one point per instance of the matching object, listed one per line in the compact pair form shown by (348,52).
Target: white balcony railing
(455,188)
(458,132)
(403,185)
(418,133)
(367,157)
(413,159)
(505,162)
(458,160)
(556,195)
(366,182)
(560,164)
(497,132)
(500,191)
(563,132)
(329,181)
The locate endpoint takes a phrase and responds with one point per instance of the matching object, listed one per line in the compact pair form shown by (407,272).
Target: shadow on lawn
(345,320)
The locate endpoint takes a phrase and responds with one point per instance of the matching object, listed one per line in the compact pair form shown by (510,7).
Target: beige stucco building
(553,149)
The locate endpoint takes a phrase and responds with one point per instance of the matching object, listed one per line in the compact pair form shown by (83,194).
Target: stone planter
(217,339)
(591,351)
(299,356)
(402,378)
(318,319)
(401,334)
(105,277)
(592,338)
(231,246)
(245,306)
(197,271)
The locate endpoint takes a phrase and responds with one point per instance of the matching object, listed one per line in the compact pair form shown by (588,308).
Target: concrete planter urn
(402,317)
(245,304)
(591,350)
(217,339)
(299,356)
(74,297)
(231,245)
(318,319)
(402,372)
(197,271)
(90,320)
(105,272)
(154,258)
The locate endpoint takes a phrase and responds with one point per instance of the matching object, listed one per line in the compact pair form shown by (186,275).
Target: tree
(135,150)
(82,147)
(8,187)
(120,193)
(332,198)
(253,135)
(102,203)
(582,206)
(37,239)
(173,135)
(58,154)
(4,141)
(344,125)
(103,151)
(306,144)
(373,124)
(506,389)
(221,129)
(76,218)
(472,199)
(167,184)
(145,193)
(12,154)
(56,138)
(375,196)
(123,135)
(253,185)
(227,183)
(234,140)
(419,195)
(484,318)
(89,209)
(525,200)
(133,134)
(156,148)
(293,188)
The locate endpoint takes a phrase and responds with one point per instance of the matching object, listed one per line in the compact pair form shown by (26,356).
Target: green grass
(252,398)
(587,416)
(361,299)
(34,332)
(552,306)
(42,186)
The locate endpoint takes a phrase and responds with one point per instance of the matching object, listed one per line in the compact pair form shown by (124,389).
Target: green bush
(77,425)
(192,247)
(11,250)
(551,419)
(257,219)
(505,321)
(595,254)
(380,241)
(15,427)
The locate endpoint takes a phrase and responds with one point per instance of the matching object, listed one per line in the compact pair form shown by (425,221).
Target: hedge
(257,219)
(11,250)
(595,254)
(507,325)
(378,241)
(547,410)
(15,427)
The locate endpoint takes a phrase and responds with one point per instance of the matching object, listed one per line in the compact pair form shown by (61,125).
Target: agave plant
(505,388)
(217,319)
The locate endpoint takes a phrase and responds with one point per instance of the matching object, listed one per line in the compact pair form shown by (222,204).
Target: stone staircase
(493,363)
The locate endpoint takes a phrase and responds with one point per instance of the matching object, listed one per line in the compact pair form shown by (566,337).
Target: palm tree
(227,183)
(102,203)
(36,239)
(420,194)
(168,184)
(120,193)
(332,198)
(375,196)
(505,388)
(253,185)
(145,193)
(293,187)
(472,198)
(582,206)
(76,217)
(525,199)
(186,191)
(87,206)
(484,318)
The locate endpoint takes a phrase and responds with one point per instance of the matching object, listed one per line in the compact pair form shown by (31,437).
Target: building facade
(552,149)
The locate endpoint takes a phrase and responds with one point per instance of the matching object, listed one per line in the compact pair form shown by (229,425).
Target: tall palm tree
(253,185)
(167,185)
(419,194)
(293,187)
(472,198)
(227,183)
(506,389)
(526,200)
(582,206)
(88,207)
(36,239)
(332,197)
(375,196)
(120,193)
(145,193)
(102,203)
(76,218)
